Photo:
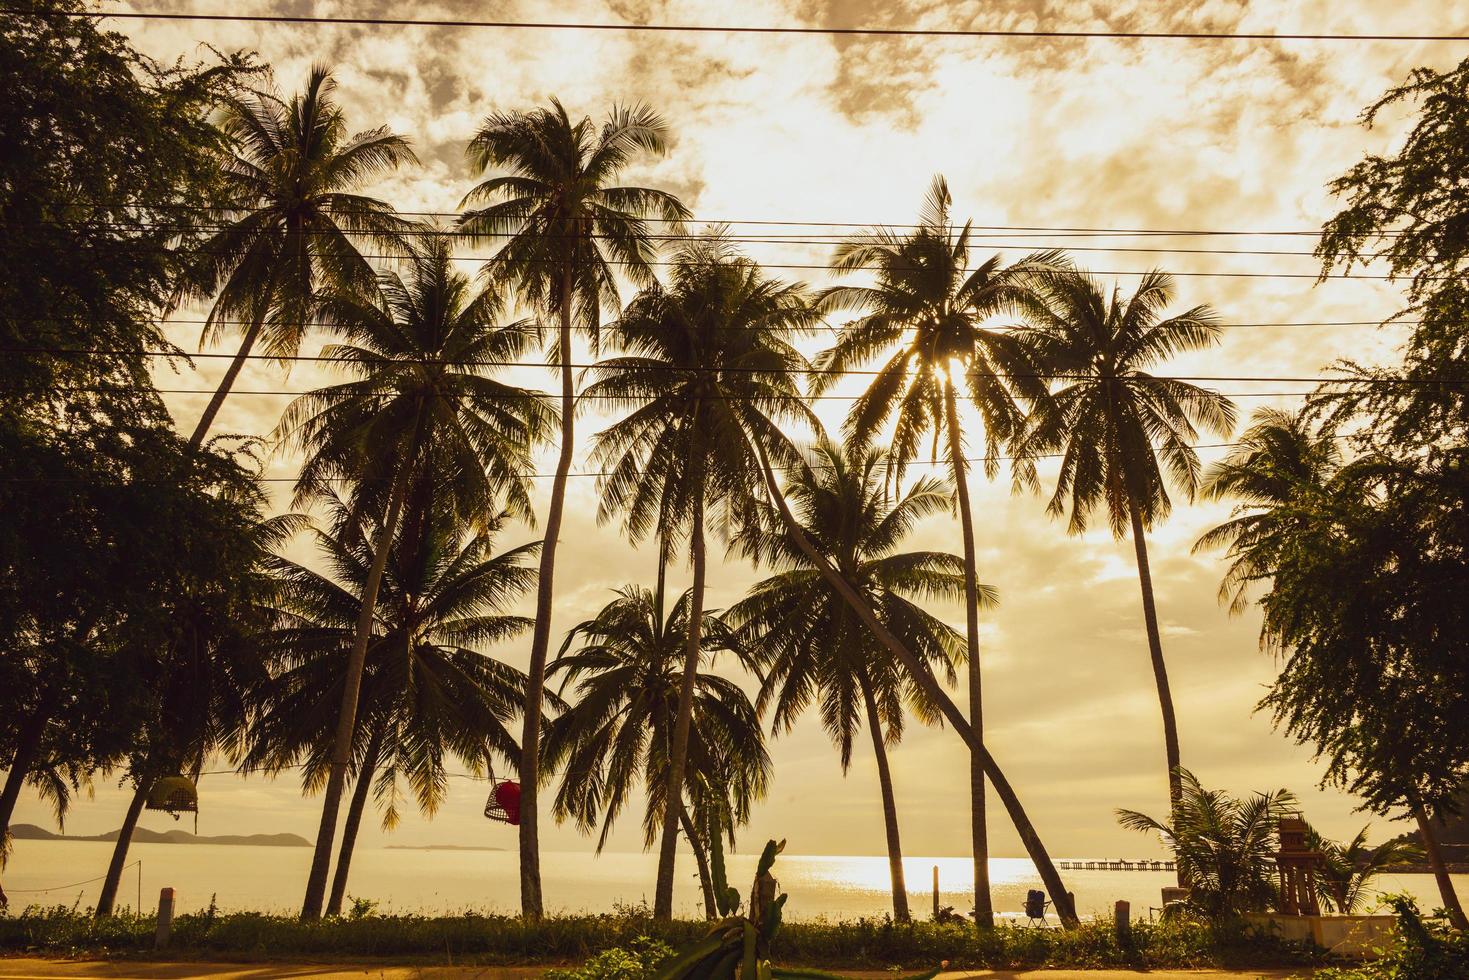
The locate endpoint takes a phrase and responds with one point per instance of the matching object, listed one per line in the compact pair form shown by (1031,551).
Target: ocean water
(273,879)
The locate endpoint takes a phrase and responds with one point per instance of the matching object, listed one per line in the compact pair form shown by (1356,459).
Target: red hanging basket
(504,803)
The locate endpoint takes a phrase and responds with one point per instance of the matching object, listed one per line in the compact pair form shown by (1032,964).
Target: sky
(1160,134)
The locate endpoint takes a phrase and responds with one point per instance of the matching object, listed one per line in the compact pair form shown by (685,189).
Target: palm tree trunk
(706,883)
(27,750)
(889,807)
(679,751)
(1155,650)
(531,903)
(1060,897)
(354,821)
(347,716)
(108,896)
(247,343)
(1447,894)
(984,912)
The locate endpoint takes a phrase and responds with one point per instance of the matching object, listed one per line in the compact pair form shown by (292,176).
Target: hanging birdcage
(174,795)
(504,802)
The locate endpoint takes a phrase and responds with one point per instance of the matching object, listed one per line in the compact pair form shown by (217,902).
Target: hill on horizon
(141,835)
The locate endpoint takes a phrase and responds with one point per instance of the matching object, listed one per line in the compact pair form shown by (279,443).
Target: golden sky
(1164,134)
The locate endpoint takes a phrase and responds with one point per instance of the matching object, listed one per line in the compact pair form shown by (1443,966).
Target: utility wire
(843,372)
(74,884)
(865,32)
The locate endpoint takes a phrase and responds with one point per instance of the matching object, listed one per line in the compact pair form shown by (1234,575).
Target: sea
(833,887)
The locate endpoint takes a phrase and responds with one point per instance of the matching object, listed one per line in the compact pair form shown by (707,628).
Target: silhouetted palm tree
(290,227)
(709,370)
(627,667)
(1279,458)
(926,316)
(428,689)
(565,223)
(423,422)
(810,645)
(1225,846)
(1124,433)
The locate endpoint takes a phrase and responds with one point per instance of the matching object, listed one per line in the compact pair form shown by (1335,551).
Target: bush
(638,961)
(632,936)
(1422,950)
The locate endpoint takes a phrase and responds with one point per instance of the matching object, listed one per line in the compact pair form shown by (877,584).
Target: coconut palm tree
(1225,846)
(807,641)
(563,224)
(1279,459)
(626,665)
(927,317)
(428,689)
(292,223)
(709,368)
(1123,433)
(423,421)
(1035,848)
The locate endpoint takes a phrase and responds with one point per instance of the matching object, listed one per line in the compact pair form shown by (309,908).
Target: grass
(869,944)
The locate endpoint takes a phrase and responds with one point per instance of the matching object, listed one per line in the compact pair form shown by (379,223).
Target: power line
(808,223)
(867,32)
(967,460)
(675,369)
(807,266)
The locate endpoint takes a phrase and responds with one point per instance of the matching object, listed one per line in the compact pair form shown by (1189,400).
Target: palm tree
(565,224)
(1342,879)
(927,314)
(1118,427)
(810,645)
(709,370)
(1279,459)
(627,666)
(292,219)
(428,691)
(423,422)
(1225,846)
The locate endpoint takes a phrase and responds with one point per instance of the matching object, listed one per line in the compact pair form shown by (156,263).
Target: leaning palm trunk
(107,898)
(930,686)
(347,717)
(1446,890)
(247,344)
(27,751)
(984,913)
(701,860)
(532,905)
(354,823)
(679,751)
(889,808)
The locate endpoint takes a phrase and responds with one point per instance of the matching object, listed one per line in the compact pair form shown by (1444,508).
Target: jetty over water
(1117,864)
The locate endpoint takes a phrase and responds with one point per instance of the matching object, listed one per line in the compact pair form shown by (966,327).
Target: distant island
(141,835)
(440,847)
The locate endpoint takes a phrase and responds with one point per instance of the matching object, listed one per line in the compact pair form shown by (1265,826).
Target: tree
(809,645)
(193,660)
(103,146)
(1349,868)
(1225,846)
(1279,458)
(627,666)
(564,224)
(286,230)
(927,315)
(1366,613)
(709,368)
(103,149)
(423,422)
(1123,433)
(428,690)
(1034,846)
